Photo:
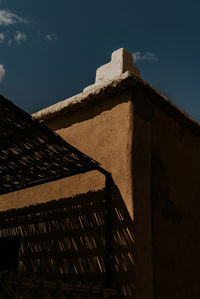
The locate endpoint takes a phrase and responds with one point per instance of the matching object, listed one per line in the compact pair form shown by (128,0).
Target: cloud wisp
(148,56)
(50,36)
(9,18)
(2,37)
(20,37)
(2,72)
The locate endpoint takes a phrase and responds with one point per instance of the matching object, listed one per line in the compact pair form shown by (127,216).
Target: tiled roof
(31,154)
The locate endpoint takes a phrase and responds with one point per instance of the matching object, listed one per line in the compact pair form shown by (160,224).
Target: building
(151,149)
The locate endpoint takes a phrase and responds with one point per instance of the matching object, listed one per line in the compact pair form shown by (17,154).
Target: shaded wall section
(141,168)
(65,240)
(175,208)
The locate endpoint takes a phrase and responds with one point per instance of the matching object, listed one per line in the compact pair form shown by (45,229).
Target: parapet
(121,61)
(112,78)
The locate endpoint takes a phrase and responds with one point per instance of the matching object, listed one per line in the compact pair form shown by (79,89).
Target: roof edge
(121,83)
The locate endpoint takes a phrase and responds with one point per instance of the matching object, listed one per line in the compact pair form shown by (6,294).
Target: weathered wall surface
(175,208)
(78,184)
(103,131)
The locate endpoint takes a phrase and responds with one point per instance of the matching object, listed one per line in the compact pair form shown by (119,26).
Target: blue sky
(50,50)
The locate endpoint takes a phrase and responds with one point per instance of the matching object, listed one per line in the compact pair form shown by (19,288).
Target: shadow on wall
(65,240)
(166,217)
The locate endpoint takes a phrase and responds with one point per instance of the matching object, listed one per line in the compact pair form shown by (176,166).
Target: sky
(50,50)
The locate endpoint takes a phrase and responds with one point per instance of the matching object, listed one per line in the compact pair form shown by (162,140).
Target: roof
(125,81)
(31,154)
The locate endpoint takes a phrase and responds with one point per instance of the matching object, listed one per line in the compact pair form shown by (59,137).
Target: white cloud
(2,37)
(9,18)
(2,72)
(138,56)
(50,36)
(19,37)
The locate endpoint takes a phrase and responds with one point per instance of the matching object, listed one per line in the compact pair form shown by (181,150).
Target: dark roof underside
(31,154)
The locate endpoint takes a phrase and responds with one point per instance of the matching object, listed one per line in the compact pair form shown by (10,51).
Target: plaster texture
(64,188)
(103,131)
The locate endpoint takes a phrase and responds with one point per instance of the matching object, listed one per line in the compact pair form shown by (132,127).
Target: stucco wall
(103,130)
(78,184)
(175,208)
